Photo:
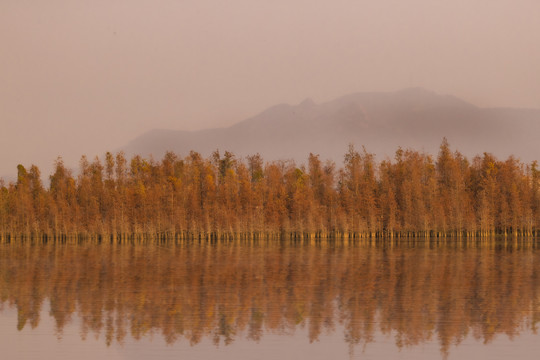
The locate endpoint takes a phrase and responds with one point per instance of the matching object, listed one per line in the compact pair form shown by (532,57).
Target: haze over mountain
(85,77)
(412,118)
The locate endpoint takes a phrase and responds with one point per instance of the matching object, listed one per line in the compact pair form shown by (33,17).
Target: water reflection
(226,291)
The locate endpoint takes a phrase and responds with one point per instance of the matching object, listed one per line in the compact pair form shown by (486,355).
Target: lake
(425,299)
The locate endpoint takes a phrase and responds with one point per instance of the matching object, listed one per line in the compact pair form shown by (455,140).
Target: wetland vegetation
(412,195)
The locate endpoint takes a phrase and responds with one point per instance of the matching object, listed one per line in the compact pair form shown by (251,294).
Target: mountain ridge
(381,121)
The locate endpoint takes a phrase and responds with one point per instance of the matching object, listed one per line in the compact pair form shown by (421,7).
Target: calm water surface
(269,300)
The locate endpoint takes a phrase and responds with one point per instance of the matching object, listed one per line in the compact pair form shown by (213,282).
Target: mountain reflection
(225,291)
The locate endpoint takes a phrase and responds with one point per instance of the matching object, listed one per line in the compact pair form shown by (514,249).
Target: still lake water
(271,300)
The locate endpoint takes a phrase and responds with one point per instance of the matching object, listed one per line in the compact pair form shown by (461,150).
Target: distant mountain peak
(414,117)
(307,103)
(428,98)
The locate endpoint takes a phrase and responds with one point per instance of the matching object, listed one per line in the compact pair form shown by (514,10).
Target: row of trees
(223,196)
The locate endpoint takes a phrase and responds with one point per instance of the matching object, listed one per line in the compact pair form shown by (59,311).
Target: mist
(85,77)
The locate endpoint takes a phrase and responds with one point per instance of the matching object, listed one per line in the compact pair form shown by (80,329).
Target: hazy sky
(88,76)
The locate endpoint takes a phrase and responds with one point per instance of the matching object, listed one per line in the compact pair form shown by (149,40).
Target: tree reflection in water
(416,291)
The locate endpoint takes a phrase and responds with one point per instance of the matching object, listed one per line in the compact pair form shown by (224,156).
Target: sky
(84,77)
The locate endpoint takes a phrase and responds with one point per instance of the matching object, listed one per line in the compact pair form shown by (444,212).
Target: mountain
(412,118)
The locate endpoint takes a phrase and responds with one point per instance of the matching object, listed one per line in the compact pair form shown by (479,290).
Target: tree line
(223,196)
